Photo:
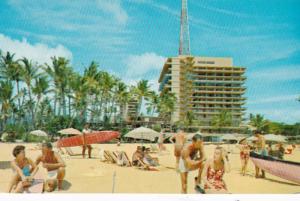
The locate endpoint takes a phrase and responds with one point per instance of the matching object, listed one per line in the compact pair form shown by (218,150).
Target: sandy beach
(93,176)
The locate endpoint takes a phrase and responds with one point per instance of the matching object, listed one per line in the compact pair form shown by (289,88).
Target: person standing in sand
(244,155)
(54,165)
(179,140)
(260,149)
(190,160)
(86,146)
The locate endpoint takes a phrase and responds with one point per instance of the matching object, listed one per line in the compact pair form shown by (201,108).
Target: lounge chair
(110,157)
(70,152)
(122,158)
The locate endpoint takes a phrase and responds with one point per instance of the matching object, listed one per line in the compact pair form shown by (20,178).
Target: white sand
(93,176)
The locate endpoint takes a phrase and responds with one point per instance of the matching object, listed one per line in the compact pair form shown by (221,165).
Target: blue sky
(262,35)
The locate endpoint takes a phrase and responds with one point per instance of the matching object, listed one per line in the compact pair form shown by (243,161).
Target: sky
(132,39)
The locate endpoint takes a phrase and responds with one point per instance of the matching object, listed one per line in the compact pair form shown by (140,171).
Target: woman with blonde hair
(214,170)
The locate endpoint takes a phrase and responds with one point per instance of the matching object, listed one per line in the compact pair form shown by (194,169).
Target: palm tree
(58,73)
(186,67)
(40,88)
(6,100)
(11,70)
(142,92)
(166,105)
(122,97)
(29,72)
(223,119)
(259,122)
(153,103)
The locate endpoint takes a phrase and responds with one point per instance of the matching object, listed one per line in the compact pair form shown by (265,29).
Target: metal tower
(184,46)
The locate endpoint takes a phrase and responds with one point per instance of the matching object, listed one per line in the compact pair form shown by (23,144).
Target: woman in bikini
(244,155)
(24,170)
(214,171)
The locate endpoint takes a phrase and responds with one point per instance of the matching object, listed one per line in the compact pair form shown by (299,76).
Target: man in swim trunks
(260,149)
(179,140)
(86,146)
(190,160)
(54,164)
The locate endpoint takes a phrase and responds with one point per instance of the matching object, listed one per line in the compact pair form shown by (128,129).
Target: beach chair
(110,157)
(121,158)
(70,152)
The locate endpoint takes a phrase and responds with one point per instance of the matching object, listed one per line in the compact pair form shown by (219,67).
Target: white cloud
(114,7)
(38,52)
(139,65)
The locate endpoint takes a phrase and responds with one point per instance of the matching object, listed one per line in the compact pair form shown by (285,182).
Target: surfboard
(90,138)
(288,170)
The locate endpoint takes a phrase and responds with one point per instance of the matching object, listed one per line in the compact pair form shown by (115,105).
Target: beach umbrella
(70,131)
(39,133)
(143,133)
(275,138)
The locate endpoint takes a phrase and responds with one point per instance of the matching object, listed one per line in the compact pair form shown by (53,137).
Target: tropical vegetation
(53,95)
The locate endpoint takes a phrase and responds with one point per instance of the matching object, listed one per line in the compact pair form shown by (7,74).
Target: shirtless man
(55,167)
(179,140)
(260,149)
(189,161)
(84,146)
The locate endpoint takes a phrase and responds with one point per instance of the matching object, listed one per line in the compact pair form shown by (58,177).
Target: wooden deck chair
(110,157)
(70,152)
(121,156)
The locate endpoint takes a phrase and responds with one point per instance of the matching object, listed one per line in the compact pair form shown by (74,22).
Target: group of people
(142,157)
(191,156)
(25,169)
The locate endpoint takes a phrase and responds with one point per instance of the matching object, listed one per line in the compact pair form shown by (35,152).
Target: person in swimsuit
(137,156)
(190,160)
(148,159)
(86,146)
(24,169)
(179,140)
(54,165)
(260,149)
(214,171)
(244,155)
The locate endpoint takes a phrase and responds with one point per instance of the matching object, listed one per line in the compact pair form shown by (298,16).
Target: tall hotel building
(206,86)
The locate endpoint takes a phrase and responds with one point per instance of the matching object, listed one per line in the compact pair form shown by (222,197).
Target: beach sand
(93,176)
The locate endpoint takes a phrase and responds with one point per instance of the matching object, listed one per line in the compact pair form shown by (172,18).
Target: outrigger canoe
(90,138)
(288,170)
